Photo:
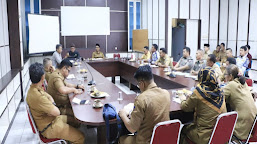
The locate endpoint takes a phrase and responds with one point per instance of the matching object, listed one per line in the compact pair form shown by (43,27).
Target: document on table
(191,76)
(177,100)
(71,76)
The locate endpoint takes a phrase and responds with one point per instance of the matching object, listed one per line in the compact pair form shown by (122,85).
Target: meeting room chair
(223,129)
(166,132)
(249,82)
(252,136)
(174,63)
(41,138)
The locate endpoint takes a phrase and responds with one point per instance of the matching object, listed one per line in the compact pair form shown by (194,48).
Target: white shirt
(242,63)
(56,59)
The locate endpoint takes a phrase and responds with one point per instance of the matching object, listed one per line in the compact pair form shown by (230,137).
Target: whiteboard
(77,21)
(43,33)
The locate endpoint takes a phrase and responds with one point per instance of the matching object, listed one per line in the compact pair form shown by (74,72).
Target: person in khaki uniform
(230,60)
(147,55)
(217,52)
(211,62)
(207,103)
(240,99)
(186,62)
(97,53)
(164,60)
(150,107)
(48,67)
(207,51)
(199,64)
(46,115)
(59,89)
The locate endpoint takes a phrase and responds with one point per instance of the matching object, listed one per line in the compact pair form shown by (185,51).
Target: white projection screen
(44,33)
(77,21)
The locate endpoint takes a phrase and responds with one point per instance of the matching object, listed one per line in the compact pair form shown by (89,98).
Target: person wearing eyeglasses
(59,89)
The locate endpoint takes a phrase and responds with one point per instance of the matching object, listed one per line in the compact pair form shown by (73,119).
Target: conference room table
(99,70)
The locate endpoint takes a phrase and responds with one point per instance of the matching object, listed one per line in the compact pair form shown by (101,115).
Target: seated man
(217,52)
(150,107)
(146,56)
(242,61)
(206,51)
(164,60)
(229,61)
(72,54)
(229,52)
(59,88)
(57,57)
(154,54)
(48,67)
(46,115)
(200,63)
(211,62)
(223,55)
(185,63)
(97,53)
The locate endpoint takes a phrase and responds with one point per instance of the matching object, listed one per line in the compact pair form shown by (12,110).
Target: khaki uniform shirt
(217,54)
(223,56)
(40,106)
(97,54)
(146,56)
(240,99)
(186,61)
(47,75)
(205,118)
(55,82)
(151,107)
(199,64)
(165,61)
(205,56)
(217,70)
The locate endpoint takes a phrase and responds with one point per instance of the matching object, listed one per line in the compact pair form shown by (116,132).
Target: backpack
(109,113)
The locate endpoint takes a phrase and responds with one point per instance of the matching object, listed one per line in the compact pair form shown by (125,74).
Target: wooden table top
(91,116)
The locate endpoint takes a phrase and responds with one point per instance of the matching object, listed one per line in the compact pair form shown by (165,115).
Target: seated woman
(208,102)
(240,99)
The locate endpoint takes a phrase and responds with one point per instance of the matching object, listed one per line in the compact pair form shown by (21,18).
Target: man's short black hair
(229,49)
(207,45)
(244,48)
(248,46)
(163,50)
(65,63)
(97,45)
(146,47)
(72,45)
(144,73)
(58,46)
(187,49)
(222,44)
(231,60)
(36,71)
(212,58)
(155,46)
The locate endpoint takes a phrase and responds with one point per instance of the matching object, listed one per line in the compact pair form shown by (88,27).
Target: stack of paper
(177,100)
(129,108)
(154,66)
(71,76)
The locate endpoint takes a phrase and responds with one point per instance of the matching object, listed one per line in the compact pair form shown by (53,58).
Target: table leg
(101,136)
(113,79)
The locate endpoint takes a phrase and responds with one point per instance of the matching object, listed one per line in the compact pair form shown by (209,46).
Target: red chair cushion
(249,82)
(174,63)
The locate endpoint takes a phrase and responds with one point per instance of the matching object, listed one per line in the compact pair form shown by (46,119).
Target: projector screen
(77,21)
(43,33)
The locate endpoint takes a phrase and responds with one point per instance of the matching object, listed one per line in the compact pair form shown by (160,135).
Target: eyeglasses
(68,69)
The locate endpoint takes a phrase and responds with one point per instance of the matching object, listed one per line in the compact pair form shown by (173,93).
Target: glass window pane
(138,16)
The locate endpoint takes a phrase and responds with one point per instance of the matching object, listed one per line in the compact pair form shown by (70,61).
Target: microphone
(92,82)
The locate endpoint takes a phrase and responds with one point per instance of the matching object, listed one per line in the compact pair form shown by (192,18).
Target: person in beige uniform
(150,107)
(207,51)
(59,89)
(240,99)
(97,53)
(48,67)
(164,60)
(46,115)
(147,55)
(217,52)
(208,102)
(211,62)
